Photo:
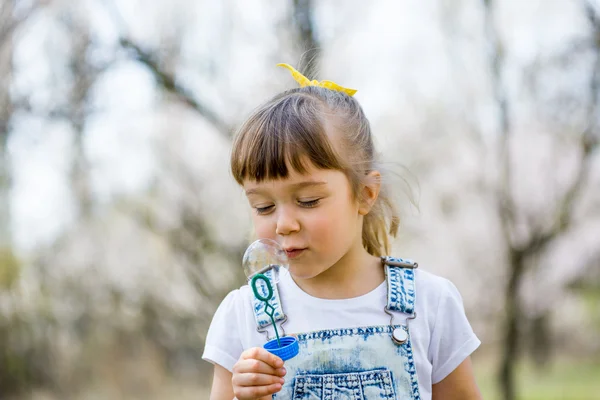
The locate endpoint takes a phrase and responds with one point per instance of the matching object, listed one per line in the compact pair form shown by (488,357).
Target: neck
(355,274)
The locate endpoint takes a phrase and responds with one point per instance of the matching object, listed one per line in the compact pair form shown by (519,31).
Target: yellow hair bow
(304,81)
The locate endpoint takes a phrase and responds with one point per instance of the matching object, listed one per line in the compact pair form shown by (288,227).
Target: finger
(257,366)
(254,379)
(263,355)
(255,392)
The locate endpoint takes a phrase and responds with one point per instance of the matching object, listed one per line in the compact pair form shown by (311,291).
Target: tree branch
(588,144)
(506,205)
(165,79)
(303,17)
(10,23)
(169,82)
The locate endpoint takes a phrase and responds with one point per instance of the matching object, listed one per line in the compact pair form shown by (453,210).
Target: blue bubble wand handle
(269,309)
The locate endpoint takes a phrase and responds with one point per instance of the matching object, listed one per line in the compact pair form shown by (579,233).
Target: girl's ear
(369,192)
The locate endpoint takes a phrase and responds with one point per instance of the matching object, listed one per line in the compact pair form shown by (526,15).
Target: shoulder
(237,300)
(234,310)
(434,292)
(430,285)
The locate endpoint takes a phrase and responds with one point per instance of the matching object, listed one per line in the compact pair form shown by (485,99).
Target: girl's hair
(302,125)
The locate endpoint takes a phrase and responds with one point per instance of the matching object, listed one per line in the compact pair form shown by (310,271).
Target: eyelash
(263,210)
(305,204)
(310,203)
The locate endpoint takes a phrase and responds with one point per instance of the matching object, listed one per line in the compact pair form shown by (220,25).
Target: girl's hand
(257,375)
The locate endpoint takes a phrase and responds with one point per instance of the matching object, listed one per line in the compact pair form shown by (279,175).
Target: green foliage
(25,349)
(10,268)
(591,301)
(25,355)
(570,380)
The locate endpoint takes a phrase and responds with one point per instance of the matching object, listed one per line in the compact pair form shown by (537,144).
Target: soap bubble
(263,255)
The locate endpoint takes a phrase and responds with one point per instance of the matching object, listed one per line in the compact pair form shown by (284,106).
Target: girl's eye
(309,204)
(263,210)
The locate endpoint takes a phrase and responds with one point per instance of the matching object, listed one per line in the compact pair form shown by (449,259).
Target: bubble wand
(264,261)
(269,310)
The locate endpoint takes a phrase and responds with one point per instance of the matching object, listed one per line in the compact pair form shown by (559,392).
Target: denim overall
(366,363)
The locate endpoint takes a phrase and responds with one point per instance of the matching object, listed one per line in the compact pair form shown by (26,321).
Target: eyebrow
(295,186)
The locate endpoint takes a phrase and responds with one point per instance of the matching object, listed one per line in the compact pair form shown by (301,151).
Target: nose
(286,221)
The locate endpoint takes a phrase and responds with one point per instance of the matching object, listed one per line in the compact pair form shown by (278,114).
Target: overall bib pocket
(364,385)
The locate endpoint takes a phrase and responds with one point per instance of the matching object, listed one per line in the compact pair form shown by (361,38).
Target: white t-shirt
(441,335)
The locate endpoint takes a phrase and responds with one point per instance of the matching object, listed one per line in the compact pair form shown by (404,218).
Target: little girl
(368,326)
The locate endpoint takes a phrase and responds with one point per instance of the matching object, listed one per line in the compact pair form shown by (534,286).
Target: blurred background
(121,229)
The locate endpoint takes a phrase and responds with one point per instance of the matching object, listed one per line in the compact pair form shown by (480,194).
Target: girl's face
(313,216)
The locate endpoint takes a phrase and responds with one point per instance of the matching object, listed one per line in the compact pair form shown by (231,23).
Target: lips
(293,252)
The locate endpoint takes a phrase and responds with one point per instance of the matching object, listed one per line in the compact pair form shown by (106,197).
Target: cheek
(334,224)
(321,226)
(263,228)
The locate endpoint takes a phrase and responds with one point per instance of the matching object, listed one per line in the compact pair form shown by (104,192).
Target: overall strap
(400,277)
(262,319)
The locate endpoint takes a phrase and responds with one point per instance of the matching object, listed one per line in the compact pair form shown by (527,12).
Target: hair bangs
(285,134)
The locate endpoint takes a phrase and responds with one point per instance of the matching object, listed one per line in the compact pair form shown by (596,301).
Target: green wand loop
(269,310)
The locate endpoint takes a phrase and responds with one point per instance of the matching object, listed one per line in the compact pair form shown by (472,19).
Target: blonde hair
(291,129)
